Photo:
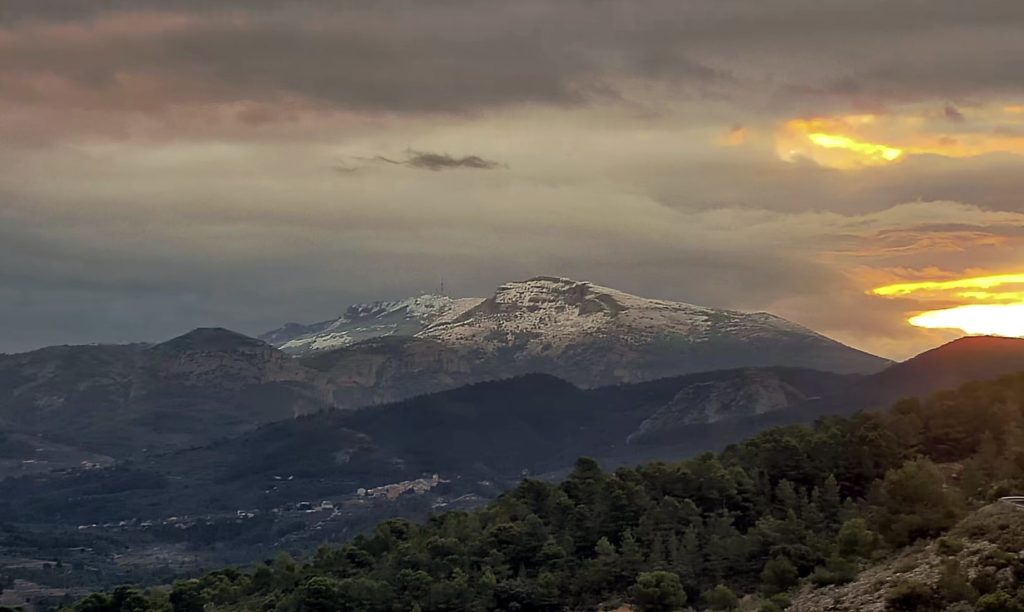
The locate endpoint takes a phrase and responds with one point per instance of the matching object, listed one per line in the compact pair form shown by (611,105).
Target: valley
(886,510)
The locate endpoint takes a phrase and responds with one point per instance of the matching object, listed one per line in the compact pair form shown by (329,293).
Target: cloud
(952,113)
(440,161)
(179,236)
(438,59)
(469,56)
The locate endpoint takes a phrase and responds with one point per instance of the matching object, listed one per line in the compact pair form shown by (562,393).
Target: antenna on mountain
(442,287)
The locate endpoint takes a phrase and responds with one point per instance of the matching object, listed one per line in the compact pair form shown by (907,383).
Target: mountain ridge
(943,367)
(120,400)
(535,423)
(545,298)
(252,490)
(585,333)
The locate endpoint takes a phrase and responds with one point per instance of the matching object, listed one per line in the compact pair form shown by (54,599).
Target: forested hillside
(791,508)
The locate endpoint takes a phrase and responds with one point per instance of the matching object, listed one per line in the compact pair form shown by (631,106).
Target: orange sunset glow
(995,304)
(838,142)
(868,140)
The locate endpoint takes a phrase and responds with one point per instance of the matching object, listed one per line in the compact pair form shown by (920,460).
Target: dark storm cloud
(442,59)
(467,55)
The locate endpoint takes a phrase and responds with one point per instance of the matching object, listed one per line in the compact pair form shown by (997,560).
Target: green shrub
(916,503)
(953,584)
(658,591)
(778,575)
(855,539)
(911,596)
(1000,601)
(837,570)
(997,559)
(777,603)
(949,546)
(984,583)
(722,598)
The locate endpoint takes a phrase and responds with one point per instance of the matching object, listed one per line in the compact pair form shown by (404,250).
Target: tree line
(789,506)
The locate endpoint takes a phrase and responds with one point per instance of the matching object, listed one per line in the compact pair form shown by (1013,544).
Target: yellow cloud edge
(977,282)
(1002,319)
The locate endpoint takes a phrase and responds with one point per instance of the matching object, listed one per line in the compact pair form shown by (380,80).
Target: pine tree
(829,499)
(786,498)
(631,557)
(657,558)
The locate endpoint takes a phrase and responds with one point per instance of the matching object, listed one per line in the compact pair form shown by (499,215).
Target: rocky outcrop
(997,528)
(745,394)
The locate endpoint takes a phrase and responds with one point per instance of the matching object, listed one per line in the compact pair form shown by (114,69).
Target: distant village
(385,493)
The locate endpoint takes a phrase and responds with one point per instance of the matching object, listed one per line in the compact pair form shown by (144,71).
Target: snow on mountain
(365,321)
(583,332)
(547,315)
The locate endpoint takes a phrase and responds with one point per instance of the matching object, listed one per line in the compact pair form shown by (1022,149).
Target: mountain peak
(971,343)
(950,365)
(548,292)
(210,339)
(977,349)
(620,336)
(581,331)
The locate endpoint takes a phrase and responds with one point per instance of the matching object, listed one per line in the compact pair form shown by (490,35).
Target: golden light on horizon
(975,282)
(1000,314)
(836,142)
(867,149)
(850,142)
(1007,296)
(976,319)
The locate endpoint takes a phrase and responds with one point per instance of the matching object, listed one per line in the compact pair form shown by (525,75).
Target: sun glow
(869,140)
(1000,313)
(868,150)
(837,142)
(977,282)
(976,319)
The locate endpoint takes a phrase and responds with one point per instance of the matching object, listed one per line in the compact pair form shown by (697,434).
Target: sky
(171,164)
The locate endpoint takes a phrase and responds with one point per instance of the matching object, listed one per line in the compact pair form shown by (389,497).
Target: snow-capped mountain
(585,333)
(364,321)
(550,317)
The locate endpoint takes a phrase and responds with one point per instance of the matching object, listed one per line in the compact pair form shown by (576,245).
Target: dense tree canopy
(790,504)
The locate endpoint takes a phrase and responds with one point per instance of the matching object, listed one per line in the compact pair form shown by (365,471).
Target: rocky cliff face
(745,394)
(391,368)
(222,361)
